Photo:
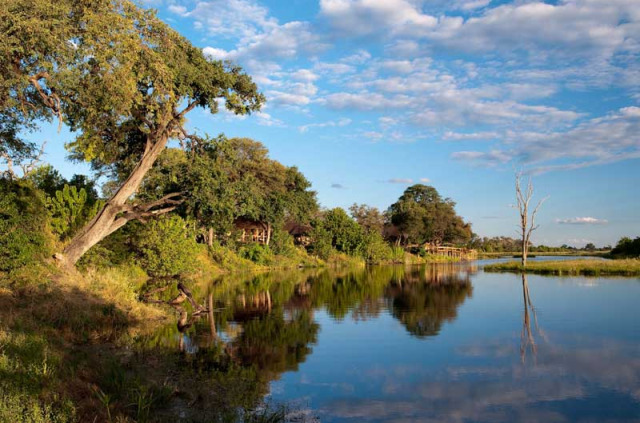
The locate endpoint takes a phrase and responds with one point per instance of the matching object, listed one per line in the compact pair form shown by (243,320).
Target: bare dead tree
(27,166)
(527,221)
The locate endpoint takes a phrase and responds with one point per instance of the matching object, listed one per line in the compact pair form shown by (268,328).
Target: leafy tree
(368,217)
(627,247)
(225,179)
(70,209)
(336,230)
(166,248)
(590,246)
(47,179)
(118,77)
(23,224)
(422,215)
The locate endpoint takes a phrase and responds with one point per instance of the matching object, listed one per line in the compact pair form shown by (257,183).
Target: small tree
(527,221)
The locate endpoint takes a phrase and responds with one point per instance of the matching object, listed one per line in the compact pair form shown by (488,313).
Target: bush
(257,253)
(282,243)
(376,250)
(627,247)
(70,209)
(24,231)
(166,247)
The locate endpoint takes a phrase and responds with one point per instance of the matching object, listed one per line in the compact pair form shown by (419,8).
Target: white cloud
(472,136)
(332,123)
(216,53)
(364,17)
(304,75)
(582,221)
(425,180)
(178,10)
(231,18)
(490,158)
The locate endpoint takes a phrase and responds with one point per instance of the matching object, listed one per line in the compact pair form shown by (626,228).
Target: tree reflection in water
(265,323)
(527,337)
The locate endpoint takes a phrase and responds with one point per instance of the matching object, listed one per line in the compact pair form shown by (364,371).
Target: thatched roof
(245,223)
(297,229)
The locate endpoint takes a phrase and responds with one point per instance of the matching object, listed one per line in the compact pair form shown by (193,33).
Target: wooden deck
(454,252)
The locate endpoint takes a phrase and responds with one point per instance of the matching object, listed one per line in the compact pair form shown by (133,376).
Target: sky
(367,97)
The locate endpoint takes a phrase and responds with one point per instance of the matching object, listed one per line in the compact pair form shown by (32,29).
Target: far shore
(625,267)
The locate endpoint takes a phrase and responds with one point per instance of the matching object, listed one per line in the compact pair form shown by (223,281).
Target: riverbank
(628,267)
(66,338)
(514,254)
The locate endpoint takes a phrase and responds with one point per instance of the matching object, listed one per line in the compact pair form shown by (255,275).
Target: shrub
(166,248)
(376,250)
(24,232)
(282,243)
(70,209)
(257,253)
(627,247)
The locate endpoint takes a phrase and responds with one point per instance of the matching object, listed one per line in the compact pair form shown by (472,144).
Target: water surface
(439,343)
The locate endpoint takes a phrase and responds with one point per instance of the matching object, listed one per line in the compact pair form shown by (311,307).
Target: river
(435,343)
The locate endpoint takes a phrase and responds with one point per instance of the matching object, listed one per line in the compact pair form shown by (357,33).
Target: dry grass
(629,267)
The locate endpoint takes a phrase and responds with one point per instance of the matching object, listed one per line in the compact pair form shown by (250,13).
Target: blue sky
(369,96)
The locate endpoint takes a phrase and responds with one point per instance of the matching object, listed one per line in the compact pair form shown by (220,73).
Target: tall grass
(630,267)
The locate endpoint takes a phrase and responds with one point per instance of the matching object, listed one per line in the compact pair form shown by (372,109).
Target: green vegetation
(422,215)
(166,248)
(627,248)
(628,267)
(23,225)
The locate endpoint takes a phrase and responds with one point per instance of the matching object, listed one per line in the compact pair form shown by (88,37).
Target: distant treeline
(500,244)
(627,248)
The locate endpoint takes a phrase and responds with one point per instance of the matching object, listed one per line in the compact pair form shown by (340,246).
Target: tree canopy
(422,215)
(120,79)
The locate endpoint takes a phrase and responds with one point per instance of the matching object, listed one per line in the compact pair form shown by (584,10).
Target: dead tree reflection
(527,336)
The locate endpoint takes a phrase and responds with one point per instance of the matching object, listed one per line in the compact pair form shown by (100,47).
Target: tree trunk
(107,220)
(210,238)
(524,249)
(268,233)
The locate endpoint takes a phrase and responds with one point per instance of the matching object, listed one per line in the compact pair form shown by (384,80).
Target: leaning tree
(121,80)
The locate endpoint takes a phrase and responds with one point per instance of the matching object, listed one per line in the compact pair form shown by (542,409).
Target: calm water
(441,343)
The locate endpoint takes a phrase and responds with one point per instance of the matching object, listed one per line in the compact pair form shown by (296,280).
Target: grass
(628,267)
(68,353)
(482,254)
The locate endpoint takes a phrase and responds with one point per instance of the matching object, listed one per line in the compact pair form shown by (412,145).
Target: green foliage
(627,247)
(257,253)
(422,215)
(127,72)
(368,217)
(23,225)
(27,366)
(69,210)
(336,230)
(166,247)
(282,243)
(226,179)
(376,249)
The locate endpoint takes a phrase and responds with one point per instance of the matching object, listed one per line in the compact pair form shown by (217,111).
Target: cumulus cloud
(400,181)
(365,17)
(582,221)
(425,180)
(595,27)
